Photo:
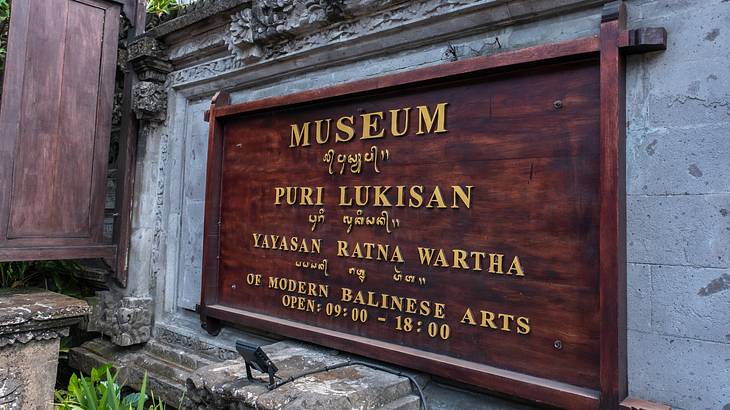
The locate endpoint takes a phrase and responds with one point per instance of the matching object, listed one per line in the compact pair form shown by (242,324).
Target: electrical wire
(422,396)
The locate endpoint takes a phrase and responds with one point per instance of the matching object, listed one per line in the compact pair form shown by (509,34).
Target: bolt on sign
(461,219)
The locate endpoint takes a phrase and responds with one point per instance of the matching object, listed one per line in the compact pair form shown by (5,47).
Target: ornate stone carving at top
(145,54)
(149,98)
(240,40)
(269,21)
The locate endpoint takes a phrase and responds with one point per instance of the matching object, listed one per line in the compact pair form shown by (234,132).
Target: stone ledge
(224,385)
(27,314)
(194,13)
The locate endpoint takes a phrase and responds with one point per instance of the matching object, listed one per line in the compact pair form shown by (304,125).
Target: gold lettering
(516,267)
(348,129)
(523,325)
(342,248)
(279,193)
(436,197)
(343,196)
(318,131)
(468,318)
(439,310)
(361,199)
(416,199)
(465,197)
(380,198)
(400,202)
(425,254)
(394,122)
(488,319)
(495,263)
(460,259)
(371,125)
(299,136)
(426,119)
(478,256)
(306,194)
(441,259)
(506,321)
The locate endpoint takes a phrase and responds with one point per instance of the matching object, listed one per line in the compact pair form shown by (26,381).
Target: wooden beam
(643,40)
(612,234)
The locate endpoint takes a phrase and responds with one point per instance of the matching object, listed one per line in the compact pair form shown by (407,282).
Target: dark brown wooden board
(537,132)
(55,120)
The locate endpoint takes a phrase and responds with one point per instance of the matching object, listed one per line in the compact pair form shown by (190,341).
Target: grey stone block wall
(678,205)
(678,174)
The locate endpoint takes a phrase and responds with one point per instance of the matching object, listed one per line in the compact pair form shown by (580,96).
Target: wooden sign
(462,220)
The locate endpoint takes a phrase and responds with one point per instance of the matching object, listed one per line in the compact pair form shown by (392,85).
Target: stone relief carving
(268,21)
(149,98)
(274,28)
(11,389)
(240,40)
(128,321)
(149,101)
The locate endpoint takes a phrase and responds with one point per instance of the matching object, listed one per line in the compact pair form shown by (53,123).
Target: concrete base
(31,322)
(28,375)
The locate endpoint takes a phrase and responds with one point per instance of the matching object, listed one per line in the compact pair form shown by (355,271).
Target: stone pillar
(31,322)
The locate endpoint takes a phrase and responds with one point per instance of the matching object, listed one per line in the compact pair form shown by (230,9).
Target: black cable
(353,363)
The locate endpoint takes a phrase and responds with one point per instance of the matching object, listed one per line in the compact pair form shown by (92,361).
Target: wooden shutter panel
(55,123)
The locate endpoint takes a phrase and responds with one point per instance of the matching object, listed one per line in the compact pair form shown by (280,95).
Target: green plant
(4,20)
(4,10)
(14,274)
(59,276)
(95,393)
(160,7)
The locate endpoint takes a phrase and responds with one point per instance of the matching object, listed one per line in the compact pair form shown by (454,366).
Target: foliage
(4,10)
(160,7)
(4,20)
(58,276)
(93,393)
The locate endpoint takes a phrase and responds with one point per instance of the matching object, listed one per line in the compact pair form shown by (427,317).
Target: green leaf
(90,402)
(142,393)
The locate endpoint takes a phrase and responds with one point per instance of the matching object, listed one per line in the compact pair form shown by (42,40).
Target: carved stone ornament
(149,101)
(127,321)
(240,41)
(145,54)
(270,21)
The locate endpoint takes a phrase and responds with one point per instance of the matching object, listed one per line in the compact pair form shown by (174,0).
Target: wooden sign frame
(608,49)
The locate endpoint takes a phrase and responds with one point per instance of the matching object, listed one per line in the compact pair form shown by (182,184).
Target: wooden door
(55,124)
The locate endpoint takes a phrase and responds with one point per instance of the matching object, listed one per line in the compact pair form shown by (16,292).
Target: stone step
(410,402)
(176,355)
(222,385)
(166,379)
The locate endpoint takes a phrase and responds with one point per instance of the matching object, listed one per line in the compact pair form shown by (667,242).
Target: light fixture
(254,356)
